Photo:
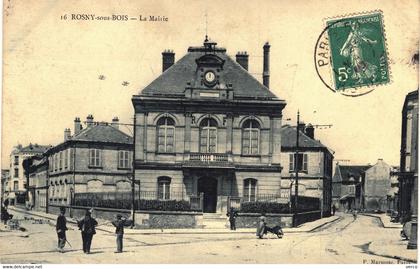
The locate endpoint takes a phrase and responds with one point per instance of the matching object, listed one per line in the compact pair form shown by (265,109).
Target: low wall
(250,220)
(79,211)
(143,219)
(168,220)
(307,216)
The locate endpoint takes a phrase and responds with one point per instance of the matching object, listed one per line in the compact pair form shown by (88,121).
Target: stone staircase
(215,221)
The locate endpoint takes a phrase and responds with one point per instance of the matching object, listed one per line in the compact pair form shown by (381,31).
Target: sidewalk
(396,248)
(304,228)
(385,220)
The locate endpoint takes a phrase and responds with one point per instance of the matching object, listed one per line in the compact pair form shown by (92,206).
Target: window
(250,137)
(16,174)
(166,132)
(250,190)
(65,158)
(69,157)
(55,162)
(95,157)
(50,163)
(164,188)
(16,162)
(208,135)
(15,185)
(60,162)
(123,159)
(302,162)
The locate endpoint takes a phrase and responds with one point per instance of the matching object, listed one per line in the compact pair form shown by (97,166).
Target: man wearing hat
(119,224)
(61,229)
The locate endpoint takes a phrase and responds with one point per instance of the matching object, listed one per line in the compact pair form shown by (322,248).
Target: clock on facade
(210,77)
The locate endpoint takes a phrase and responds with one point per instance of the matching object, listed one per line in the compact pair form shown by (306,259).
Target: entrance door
(208,186)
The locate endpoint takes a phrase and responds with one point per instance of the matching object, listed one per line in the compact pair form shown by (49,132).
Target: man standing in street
(119,224)
(87,226)
(333,209)
(232,214)
(61,229)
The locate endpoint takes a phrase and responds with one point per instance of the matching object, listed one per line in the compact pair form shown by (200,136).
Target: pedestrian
(61,229)
(333,209)
(119,224)
(261,226)
(87,226)
(232,214)
(354,214)
(4,215)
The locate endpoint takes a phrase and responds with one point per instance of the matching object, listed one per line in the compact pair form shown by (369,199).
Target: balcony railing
(209,157)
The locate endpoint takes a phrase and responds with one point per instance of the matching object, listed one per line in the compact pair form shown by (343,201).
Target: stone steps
(215,221)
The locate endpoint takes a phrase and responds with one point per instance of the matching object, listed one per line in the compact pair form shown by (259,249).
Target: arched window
(208,136)
(94,185)
(166,133)
(250,190)
(251,137)
(164,188)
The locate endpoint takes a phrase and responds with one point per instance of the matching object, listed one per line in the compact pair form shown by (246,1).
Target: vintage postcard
(209,132)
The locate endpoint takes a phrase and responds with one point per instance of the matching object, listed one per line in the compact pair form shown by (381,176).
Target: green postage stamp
(357,53)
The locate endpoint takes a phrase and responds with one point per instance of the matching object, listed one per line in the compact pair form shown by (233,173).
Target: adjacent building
(348,182)
(365,187)
(38,182)
(408,175)
(314,163)
(5,176)
(96,158)
(377,186)
(17,183)
(206,125)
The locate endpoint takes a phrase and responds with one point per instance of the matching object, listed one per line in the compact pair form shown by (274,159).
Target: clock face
(210,77)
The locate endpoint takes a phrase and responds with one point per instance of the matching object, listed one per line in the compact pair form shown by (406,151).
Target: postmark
(351,55)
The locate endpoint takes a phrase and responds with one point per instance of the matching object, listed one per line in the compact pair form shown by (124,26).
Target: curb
(145,232)
(380,219)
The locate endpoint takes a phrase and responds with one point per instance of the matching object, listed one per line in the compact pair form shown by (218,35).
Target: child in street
(119,224)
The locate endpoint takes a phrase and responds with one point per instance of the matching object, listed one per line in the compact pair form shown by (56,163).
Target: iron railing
(209,157)
(150,200)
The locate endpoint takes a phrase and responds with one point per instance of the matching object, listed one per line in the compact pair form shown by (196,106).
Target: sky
(51,66)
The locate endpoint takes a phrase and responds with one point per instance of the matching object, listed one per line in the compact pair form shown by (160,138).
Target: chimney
(67,134)
(242,59)
(89,120)
(266,70)
(115,122)
(77,125)
(301,126)
(310,131)
(168,59)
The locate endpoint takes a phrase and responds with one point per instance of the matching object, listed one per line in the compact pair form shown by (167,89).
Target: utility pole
(134,173)
(296,171)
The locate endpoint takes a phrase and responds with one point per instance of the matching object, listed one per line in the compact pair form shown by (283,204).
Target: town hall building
(207,128)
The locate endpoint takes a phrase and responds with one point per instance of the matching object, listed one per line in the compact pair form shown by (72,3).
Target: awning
(346,196)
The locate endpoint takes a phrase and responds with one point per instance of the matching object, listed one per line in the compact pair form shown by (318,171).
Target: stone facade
(207,126)
(95,159)
(17,181)
(377,186)
(315,175)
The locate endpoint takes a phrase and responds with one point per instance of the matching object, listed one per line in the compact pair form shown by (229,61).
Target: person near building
(119,224)
(261,226)
(61,228)
(87,226)
(232,214)
(333,209)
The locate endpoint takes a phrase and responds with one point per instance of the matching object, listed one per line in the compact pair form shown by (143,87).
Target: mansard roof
(102,132)
(173,81)
(288,139)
